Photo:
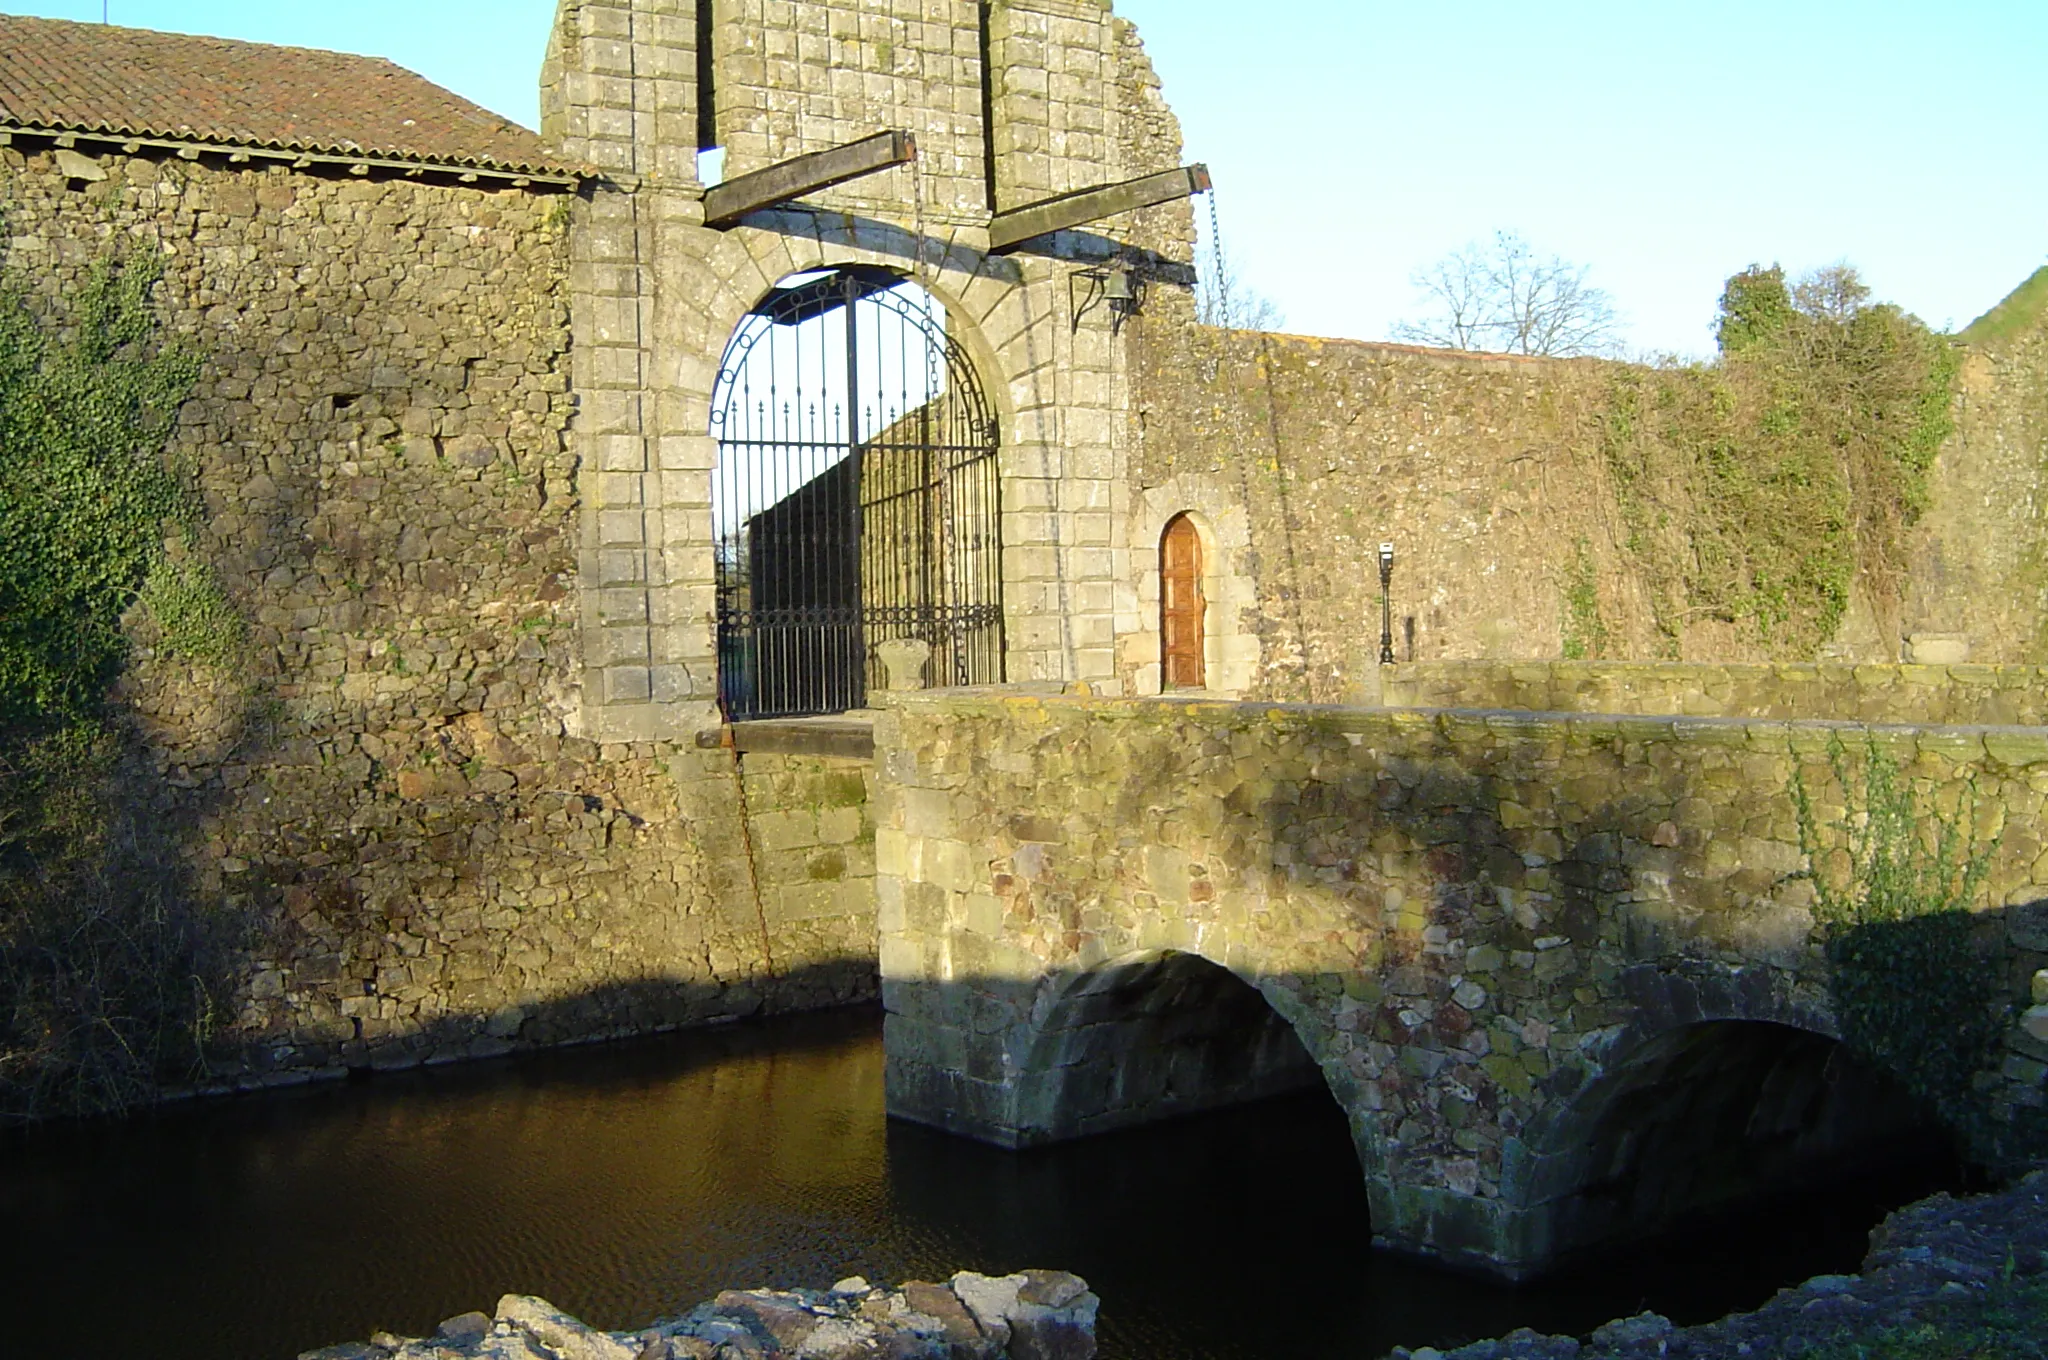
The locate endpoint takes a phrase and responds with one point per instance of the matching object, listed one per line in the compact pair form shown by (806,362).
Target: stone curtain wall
(1980,565)
(1482,470)
(1482,926)
(1485,472)
(392,782)
(1967,695)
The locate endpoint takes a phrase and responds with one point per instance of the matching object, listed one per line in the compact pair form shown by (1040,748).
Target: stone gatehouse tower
(1010,103)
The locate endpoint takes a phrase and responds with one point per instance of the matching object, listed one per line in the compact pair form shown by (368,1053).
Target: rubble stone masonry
(393,784)
(1512,942)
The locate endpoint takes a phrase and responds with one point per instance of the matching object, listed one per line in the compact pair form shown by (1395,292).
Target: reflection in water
(628,1182)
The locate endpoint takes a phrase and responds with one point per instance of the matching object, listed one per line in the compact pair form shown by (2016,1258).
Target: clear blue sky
(1665,144)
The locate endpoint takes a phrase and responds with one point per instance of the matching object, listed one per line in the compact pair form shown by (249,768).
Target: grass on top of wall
(2022,310)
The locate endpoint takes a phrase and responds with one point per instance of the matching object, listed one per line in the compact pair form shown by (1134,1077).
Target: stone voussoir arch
(1080,1022)
(723,278)
(970,300)
(1699,1070)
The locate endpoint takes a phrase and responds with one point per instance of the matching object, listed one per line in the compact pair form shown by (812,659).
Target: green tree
(1760,487)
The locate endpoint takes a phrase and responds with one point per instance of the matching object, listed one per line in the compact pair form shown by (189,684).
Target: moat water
(632,1181)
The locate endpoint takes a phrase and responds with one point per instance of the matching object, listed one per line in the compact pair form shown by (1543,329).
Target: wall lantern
(1386,604)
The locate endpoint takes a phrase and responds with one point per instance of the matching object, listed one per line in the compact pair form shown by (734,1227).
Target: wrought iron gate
(856,497)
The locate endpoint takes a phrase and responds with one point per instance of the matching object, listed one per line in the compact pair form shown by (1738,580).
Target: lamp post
(1386,604)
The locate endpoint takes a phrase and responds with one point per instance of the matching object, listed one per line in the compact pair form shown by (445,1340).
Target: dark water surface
(628,1182)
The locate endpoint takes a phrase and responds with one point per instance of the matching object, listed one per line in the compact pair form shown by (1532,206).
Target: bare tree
(1502,296)
(1833,292)
(1223,298)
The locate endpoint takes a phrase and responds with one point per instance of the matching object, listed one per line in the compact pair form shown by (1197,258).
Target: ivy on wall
(107,975)
(89,505)
(1896,884)
(1581,624)
(1757,489)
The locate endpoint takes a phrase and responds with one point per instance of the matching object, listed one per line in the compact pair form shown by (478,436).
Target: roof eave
(306,155)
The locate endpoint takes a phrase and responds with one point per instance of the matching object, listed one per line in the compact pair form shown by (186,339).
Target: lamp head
(1386,554)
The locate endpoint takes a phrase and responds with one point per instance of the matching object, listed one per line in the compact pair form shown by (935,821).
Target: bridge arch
(1703,1115)
(1159,1034)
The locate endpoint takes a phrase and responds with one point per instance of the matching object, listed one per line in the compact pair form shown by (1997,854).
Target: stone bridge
(1555,968)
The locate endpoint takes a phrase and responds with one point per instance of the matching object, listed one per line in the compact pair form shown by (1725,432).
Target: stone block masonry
(1521,948)
(393,784)
(655,297)
(455,446)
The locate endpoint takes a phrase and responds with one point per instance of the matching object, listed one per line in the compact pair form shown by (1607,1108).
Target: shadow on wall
(109,968)
(362,916)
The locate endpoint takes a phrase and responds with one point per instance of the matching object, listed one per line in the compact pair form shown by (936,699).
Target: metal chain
(922,274)
(922,271)
(1216,262)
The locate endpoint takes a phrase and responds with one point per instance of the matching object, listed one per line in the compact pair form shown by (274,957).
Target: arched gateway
(856,497)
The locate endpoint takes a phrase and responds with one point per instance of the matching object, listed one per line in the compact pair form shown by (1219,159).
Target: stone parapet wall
(1913,695)
(1486,928)
(391,784)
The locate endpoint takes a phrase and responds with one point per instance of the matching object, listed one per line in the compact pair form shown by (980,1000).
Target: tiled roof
(133,82)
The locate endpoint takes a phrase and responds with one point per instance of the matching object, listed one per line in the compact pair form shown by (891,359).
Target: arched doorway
(856,497)
(1183,635)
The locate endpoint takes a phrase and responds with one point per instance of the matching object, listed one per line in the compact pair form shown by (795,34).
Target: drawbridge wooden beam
(1013,228)
(726,204)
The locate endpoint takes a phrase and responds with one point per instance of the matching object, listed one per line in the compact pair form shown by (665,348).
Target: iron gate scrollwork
(856,497)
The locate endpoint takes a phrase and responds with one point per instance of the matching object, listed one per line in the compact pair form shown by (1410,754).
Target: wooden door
(1181,606)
